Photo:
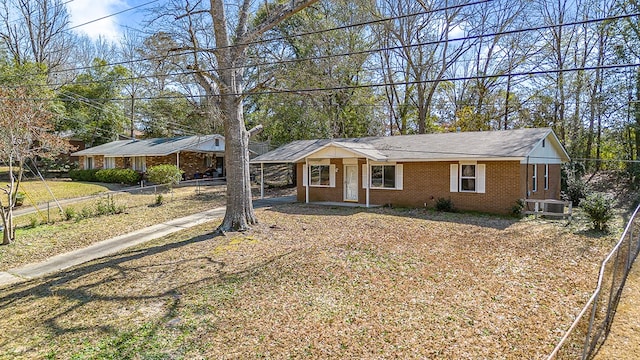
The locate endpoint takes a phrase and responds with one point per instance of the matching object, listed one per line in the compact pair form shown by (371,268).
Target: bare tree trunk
(231,59)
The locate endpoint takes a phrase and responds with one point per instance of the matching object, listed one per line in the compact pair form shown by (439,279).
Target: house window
(383,176)
(88,162)
(319,175)
(468,178)
(217,142)
(534,179)
(546,176)
(139,163)
(109,163)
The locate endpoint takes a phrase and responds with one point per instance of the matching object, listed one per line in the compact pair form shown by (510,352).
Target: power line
(193,51)
(355,53)
(111,15)
(406,83)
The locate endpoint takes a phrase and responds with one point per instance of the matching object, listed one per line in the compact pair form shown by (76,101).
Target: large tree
(233,35)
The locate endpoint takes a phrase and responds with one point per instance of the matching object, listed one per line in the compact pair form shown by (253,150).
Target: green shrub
(577,189)
(84,175)
(599,209)
(19,198)
(108,206)
(34,222)
(159,200)
(164,174)
(118,176)
(443,204)
(69,213)
(516,210)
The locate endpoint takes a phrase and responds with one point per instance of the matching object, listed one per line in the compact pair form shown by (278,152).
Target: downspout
(306,184)
(368,182)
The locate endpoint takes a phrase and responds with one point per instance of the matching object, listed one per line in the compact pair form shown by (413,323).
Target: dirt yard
(317,282)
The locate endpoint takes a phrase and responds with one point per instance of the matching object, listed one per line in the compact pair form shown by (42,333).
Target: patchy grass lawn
(36,240)
(36,191)
(317,282)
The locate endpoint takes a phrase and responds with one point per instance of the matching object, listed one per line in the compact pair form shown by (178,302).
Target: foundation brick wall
(424,183)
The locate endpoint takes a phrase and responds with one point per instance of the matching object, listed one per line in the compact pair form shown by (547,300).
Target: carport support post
(306,184)
(261,180)
(367,180)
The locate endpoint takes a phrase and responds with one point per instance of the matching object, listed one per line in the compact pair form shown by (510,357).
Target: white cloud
(84,11)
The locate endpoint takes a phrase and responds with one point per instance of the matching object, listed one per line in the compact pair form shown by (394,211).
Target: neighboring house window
(467,177)
(534,178)
(217,142)
(383,176)
(139,163)
(208,160)
(109,163)
(546,176)
(319,175)
(88,162)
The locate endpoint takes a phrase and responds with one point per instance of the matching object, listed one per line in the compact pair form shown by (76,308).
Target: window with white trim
(319,175)
(467,178)
(546,176)
(88,162)
(534,178)
(139,163)
(109,163)
(383,176)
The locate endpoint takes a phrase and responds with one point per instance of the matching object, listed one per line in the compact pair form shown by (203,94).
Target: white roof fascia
(333,143)
(458,159)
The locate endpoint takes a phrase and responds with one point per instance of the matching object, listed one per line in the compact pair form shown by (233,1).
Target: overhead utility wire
(351,87)
(161,57)
(370,51)
(112,15)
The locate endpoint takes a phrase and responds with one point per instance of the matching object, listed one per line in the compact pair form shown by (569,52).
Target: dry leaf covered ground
(317,282)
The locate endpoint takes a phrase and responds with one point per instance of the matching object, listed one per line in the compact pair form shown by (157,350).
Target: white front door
(351,183)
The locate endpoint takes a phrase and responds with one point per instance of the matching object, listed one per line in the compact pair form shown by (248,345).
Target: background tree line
(346,69)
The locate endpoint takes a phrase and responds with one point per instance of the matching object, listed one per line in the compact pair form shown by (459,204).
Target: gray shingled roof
(427,147)
(153,147)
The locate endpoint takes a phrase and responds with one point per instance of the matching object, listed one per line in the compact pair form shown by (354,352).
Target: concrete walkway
(118,243)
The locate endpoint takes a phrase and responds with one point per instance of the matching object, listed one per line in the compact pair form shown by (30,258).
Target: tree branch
(256,130)
(279,14)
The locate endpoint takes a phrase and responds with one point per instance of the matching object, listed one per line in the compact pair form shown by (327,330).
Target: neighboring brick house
(479,171)
(195,155)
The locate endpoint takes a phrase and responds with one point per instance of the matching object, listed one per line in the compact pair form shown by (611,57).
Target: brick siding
(425,182)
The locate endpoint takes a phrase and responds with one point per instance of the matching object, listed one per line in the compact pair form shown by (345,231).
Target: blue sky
(83,11)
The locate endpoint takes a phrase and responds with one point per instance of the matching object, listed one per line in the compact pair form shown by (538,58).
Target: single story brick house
(479,171)
(195,155)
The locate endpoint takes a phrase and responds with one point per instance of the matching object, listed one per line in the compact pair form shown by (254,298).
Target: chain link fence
(591,327)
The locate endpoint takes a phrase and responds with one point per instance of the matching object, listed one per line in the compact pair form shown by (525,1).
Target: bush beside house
(117,176)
